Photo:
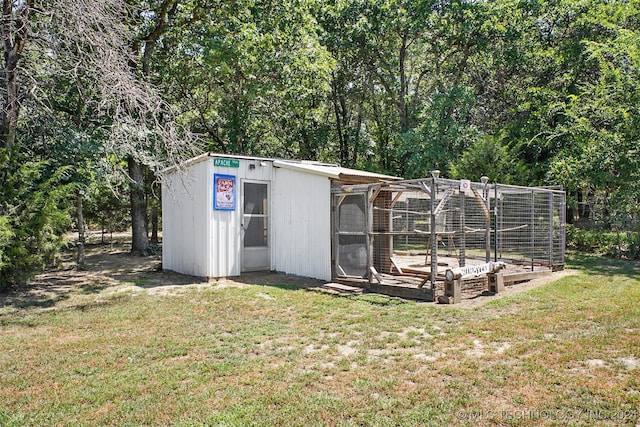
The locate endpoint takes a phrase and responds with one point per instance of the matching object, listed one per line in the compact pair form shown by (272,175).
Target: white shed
(223,215)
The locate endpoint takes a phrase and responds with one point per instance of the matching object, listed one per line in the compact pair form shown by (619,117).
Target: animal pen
(433,238)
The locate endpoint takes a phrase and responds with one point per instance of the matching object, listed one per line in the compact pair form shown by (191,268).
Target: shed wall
(186,206)
(301,224)
(226,226)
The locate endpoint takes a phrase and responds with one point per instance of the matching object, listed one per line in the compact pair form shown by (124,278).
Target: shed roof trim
(329,170)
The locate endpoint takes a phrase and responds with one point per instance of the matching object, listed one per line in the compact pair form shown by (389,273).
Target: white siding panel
(301,224)
(185,197)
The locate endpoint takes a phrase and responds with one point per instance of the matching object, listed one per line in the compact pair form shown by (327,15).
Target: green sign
(227,163)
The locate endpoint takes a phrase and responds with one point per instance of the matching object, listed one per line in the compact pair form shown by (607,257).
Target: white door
(255,224)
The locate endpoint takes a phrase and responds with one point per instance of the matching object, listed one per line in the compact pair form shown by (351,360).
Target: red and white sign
(465,185)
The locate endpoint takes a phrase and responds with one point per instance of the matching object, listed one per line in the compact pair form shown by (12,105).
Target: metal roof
(331,171)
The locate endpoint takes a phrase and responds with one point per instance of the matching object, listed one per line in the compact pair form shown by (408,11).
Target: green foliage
(442,136)
(602,121)
(489,156)
(34,202)
(6,235)
(250,78)
(104,208)
(624,245)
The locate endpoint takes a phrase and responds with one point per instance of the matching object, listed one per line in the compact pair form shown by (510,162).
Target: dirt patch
(513,289)
(110,268)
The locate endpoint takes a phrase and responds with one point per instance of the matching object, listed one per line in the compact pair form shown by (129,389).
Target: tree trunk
(336,109)
(403,92)
(14,28)
(154,224)
(10,111)
(139,231)
(81,232)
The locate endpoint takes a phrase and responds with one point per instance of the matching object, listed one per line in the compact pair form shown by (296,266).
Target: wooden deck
(410,278)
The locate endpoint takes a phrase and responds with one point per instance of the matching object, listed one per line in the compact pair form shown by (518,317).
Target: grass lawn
(129,350)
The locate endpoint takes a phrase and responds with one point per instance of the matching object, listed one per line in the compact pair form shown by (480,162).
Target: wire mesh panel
(352,249)
(410,219)
(515,225)
(558,239)
(530,226)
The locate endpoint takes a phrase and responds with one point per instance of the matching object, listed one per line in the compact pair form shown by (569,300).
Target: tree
(410,60)
(249,77)
(602,120)
(84,45)
(488,156)
(34,202)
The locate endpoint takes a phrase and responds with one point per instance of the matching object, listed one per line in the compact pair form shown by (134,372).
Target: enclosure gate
(350,237)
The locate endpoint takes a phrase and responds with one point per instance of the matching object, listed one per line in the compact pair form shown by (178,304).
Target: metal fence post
(495,223)
(434,236)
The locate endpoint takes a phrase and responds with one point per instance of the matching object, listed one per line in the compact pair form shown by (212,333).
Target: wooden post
(334,238)
(533,229)
(495,224)
(563,219)
(370,237)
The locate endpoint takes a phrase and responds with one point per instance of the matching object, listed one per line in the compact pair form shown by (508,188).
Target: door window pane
(255,199)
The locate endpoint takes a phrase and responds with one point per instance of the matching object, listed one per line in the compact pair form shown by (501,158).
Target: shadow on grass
(35,301)
(278,280)
(116,263)
(380,300)
(593,264)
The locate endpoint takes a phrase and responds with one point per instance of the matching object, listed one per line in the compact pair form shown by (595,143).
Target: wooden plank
(415,271)
(340,287)
(478,230)
(482,204)
(527,275)
(395,265)
(375,194)
(375,274)
(438,233)
(423,186)
(424,281)
(403,211)
(396,199)
(408,292)
(444,200)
